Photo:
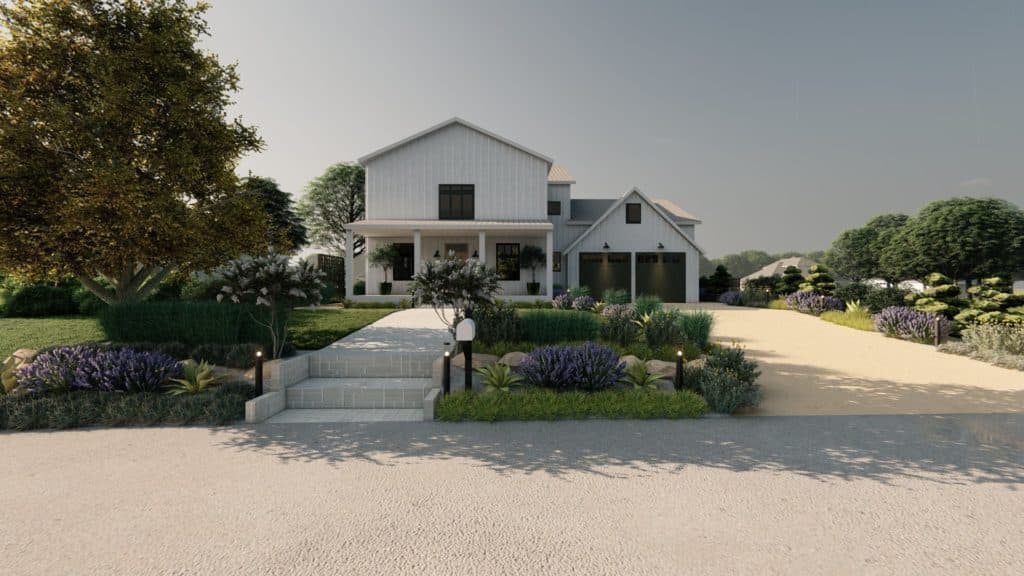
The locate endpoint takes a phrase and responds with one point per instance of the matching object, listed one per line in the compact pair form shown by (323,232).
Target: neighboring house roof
(674,209)
(615,204)
(778,267)
(560,175)
(445,124)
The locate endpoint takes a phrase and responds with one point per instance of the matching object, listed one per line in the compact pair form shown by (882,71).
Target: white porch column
(483,247)
(366,266)
(549,270)
(632,276)
(417,251)
(349,264)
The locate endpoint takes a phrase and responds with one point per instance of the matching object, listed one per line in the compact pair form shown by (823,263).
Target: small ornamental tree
(531,257)
(819,281)
(941,296)
(454,287)
(273,282)
(719,282)
(993,302)
(385,257)
(792,278)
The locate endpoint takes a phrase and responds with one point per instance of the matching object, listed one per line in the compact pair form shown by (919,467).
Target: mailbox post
(465,332)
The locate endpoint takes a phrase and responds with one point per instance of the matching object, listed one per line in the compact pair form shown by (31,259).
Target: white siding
(643,237)
(403,183)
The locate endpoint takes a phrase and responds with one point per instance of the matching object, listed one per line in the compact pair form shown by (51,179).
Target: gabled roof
(560,175)
(445,124)
(657,209)
(779,266)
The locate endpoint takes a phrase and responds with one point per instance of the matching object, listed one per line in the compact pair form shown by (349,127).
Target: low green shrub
(549,326)
(995,357)
(725,393)
(853,292)
(497,322)
(36,300)
(1005,338)
(732,359)
(646,304)
(879,299)
(615,296)
(673,328)
(191,323)
(540,404)
(241,356)
(778,304)
(696,327)
(619,324)
(860,319)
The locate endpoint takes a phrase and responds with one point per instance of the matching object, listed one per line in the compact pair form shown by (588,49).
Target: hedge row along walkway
(813,367)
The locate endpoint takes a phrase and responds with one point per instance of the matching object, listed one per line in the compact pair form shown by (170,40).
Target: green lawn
(314,329)
(310,329)
(43,332)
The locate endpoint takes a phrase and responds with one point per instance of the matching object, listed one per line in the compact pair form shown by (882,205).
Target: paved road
(776,495)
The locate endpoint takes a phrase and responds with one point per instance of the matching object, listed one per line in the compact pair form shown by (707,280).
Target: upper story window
(456,202)
(632,213)
(554,208)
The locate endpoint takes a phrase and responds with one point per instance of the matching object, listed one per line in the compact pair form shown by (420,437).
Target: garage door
(600,271)
(662,274)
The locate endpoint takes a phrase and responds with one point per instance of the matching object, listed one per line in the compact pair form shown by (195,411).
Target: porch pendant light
(476,254)
(437,254)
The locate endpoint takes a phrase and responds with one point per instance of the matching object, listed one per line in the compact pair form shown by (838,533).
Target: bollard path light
(259,373)
(679,370)
(446,375)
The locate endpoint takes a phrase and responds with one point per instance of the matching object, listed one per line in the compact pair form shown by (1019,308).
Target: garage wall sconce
(605,246)
(661,246)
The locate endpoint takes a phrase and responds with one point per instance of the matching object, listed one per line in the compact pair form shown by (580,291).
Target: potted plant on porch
(385,256)
(531,257)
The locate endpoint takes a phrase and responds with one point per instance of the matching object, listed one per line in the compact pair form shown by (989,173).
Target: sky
(779,124)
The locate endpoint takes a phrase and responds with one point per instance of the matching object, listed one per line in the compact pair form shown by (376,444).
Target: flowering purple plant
(586,367)
(732,298)
(812,303)
(94,368)
(562,302)
(584,303)
(910,324)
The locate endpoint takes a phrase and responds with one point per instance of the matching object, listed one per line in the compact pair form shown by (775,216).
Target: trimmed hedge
(550,326)
(539,404)
(191,323)
(37,300)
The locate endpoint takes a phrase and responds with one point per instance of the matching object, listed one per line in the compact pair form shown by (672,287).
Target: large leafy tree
(117,156)
(963,238)
(856,253)
(286,231)
(332,201)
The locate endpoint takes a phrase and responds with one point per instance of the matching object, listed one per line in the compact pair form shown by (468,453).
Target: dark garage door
(600,271)
(662,274)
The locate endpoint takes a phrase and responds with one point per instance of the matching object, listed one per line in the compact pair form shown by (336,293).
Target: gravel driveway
(779,495)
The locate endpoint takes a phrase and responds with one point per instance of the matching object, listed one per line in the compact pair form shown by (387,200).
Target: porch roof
(365,226)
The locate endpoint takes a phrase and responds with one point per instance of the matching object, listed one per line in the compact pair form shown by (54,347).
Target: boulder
(512,359)
(629,360)
(19,358)
(662,369)
(25,355)
(479,360)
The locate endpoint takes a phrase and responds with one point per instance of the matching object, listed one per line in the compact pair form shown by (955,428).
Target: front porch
(496,244)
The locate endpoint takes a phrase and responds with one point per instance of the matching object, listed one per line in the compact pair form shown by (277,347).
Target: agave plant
(499,377)
(638,376)
(196,378)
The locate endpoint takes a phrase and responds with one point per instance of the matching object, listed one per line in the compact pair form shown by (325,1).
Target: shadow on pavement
(951,449)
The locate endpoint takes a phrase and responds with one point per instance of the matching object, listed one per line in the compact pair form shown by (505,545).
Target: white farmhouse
(458,188)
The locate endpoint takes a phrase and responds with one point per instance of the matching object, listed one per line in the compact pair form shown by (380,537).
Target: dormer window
(632,213)
(456,202)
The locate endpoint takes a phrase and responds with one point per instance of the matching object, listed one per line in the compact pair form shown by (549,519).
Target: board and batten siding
(509,183)
(633,238)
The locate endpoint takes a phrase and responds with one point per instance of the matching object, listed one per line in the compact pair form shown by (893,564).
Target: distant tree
(285,230)
(117,153)
(963,238)
(719,282)
(746,262)
(332,201)
(856,253)
(792,278)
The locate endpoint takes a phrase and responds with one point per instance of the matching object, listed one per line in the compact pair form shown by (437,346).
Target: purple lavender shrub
(732,298)
(95,368)
(812,303)
(586,367)
(910,324)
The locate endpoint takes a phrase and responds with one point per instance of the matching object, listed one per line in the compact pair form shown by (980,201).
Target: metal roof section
(674,210)
(448,225)
(560,175)
(445,124)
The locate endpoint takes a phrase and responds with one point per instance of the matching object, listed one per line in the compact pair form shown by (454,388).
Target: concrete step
(329,363)
(333,393)
(335,416)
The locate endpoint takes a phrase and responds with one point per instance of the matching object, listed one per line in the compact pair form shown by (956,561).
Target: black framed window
(508,261)
(455,202)
(554,208)
(556,262)
(404,266)
(632,213)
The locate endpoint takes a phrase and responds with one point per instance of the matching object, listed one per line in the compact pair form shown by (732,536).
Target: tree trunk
(129,285)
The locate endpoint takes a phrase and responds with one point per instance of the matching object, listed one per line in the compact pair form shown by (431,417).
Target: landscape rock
(512,359)
(629,360)
(662,369)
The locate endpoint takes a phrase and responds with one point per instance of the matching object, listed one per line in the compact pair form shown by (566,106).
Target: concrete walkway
(929,495)
(813,367)
(412,330)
